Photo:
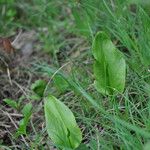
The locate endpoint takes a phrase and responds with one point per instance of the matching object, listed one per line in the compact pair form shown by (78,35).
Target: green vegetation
(61,124)
(93,56)
(109,67)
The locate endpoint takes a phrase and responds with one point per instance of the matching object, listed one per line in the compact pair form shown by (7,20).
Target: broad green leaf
(11,103)
(26,111)
(61,124)
(109,66)
(38,87)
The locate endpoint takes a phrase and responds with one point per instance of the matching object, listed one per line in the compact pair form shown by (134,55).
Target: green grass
(107,122)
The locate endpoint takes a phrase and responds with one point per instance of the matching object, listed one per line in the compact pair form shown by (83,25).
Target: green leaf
(109,66)
(11,103)
(38,87)
(61,124)
(61,84)
(26,111)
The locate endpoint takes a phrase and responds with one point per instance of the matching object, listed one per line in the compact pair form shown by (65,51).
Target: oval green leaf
(109,66)
(61,124)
